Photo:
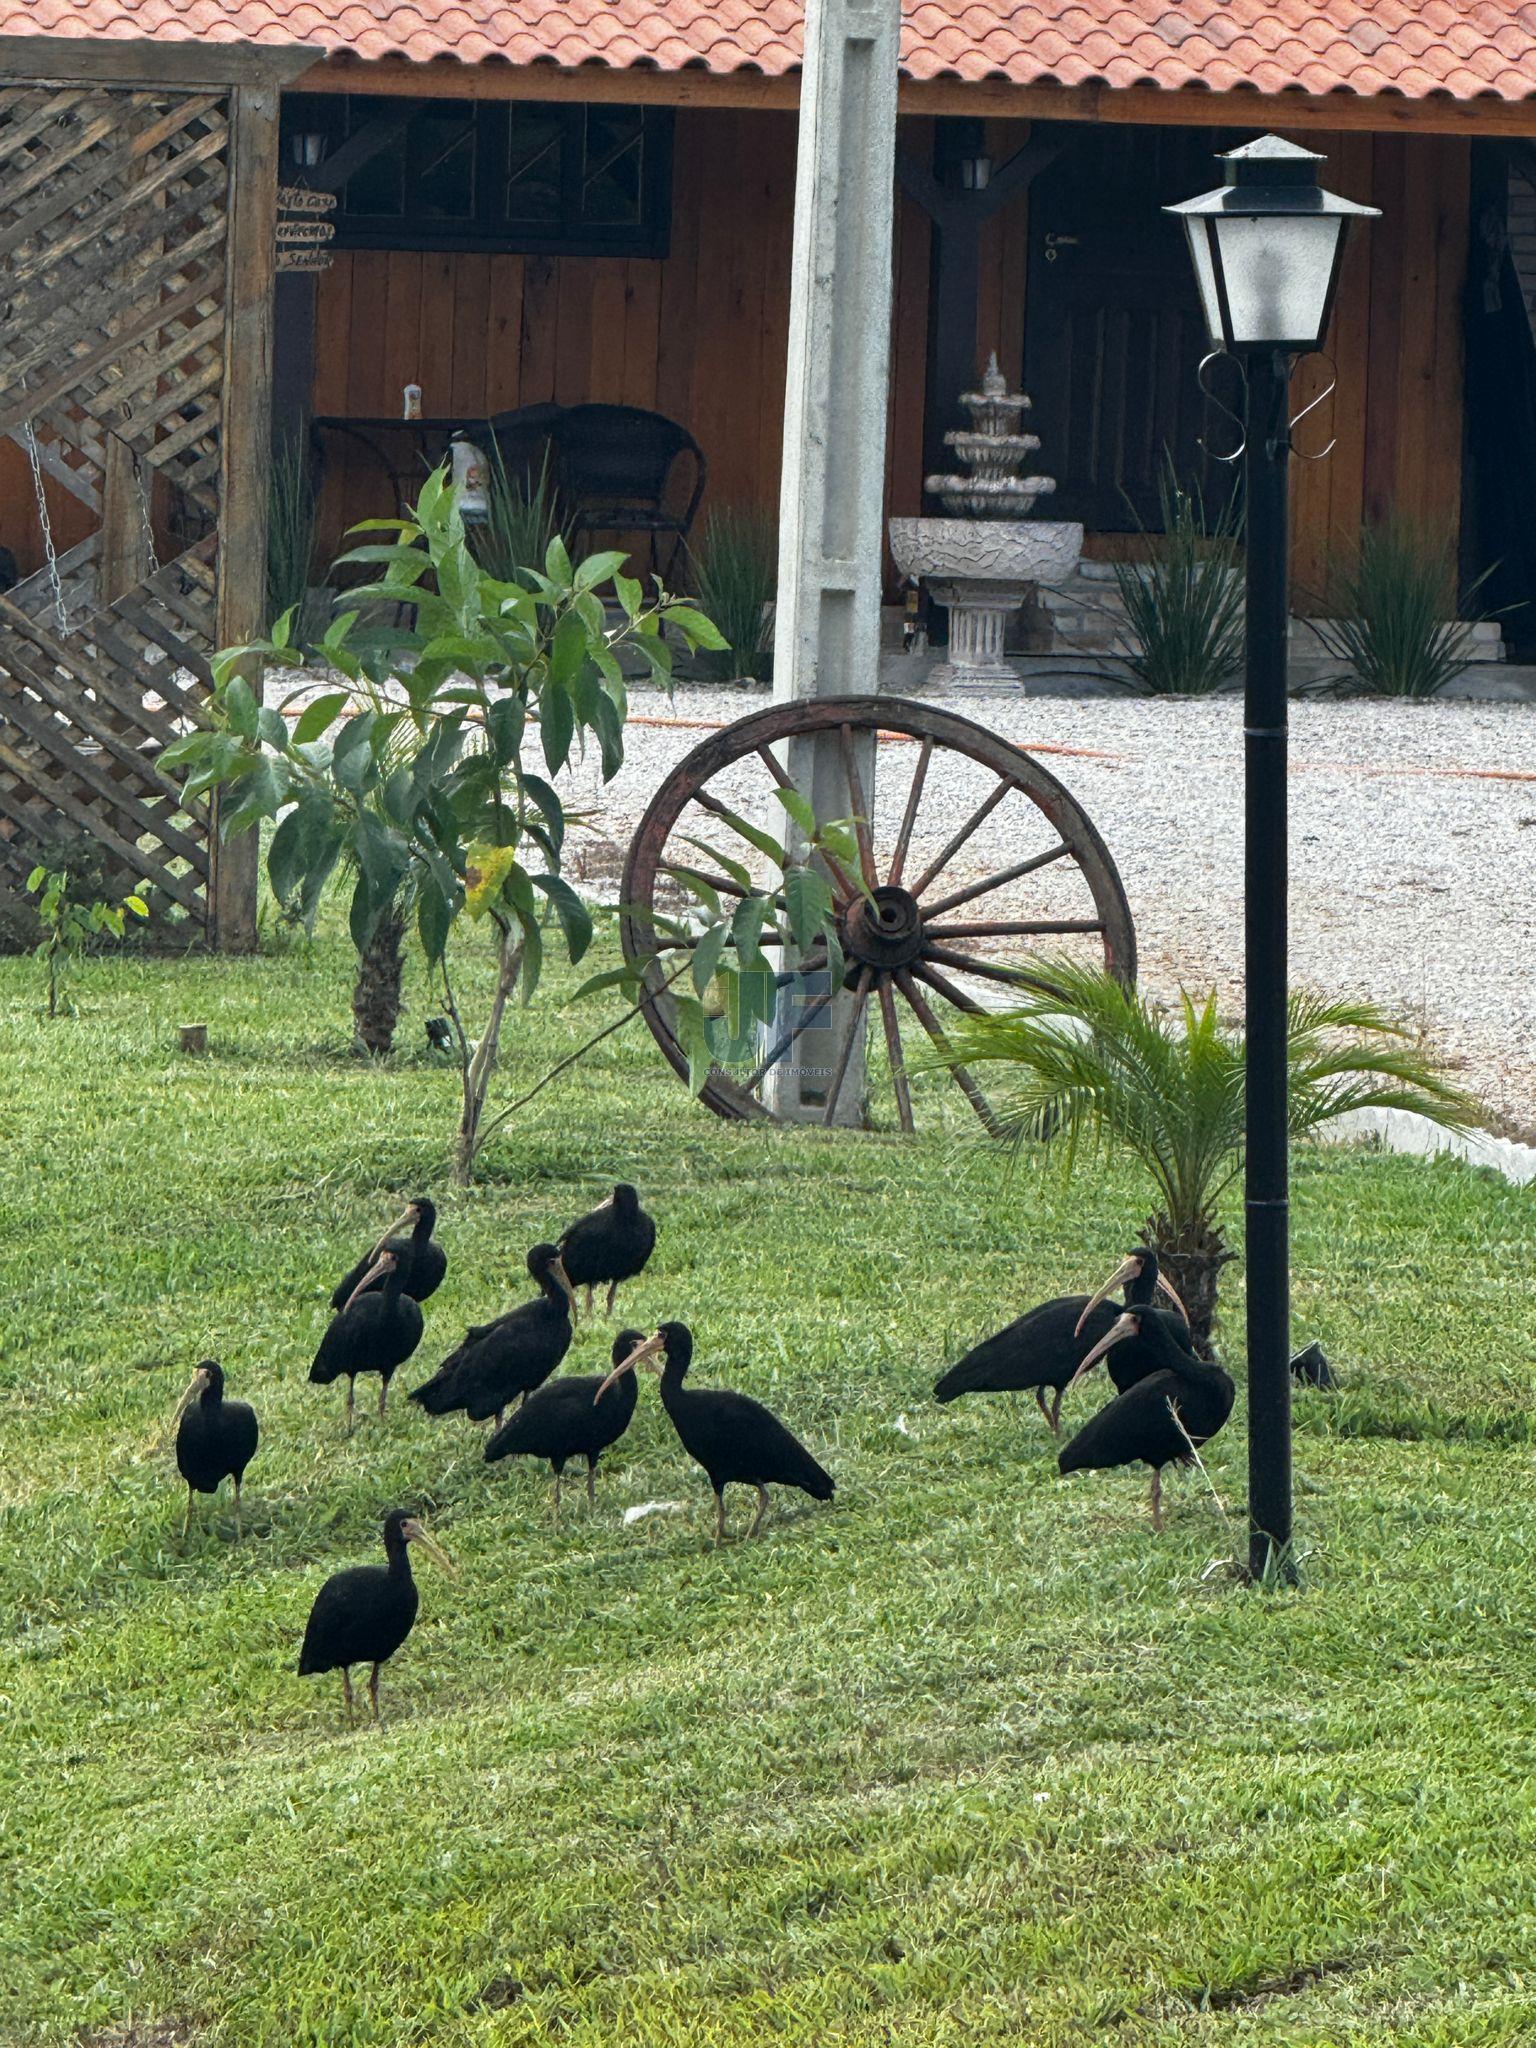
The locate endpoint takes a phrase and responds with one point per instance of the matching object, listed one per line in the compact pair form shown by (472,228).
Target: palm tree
(1096,1064)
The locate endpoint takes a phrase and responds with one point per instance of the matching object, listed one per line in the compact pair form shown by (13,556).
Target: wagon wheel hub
(886,933)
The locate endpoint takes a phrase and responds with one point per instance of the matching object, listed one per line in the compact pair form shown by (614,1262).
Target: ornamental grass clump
(1398,629)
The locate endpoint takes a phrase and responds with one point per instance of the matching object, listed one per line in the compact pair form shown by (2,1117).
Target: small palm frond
(1096,1064)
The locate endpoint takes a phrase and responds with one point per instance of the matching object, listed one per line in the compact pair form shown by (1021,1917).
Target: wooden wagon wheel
(949,794)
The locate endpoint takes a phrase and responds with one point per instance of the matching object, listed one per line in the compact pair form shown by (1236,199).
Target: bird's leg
(373,1692)
(589,1297)
(1054,1418)
(591,1484)
(719,1517)
(613,1288)
(351,1402)
(346,1691)
(186,1520)
(762,1509)
(1157,1498)
(557,1497)
(1040,1403)
(239,1524)
(383,1397)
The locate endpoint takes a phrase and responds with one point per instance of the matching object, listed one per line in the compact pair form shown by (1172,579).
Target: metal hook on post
(1221,355)
(1319,454)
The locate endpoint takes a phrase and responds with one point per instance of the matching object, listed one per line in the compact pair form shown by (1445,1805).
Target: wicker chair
(623,470)
(525,437)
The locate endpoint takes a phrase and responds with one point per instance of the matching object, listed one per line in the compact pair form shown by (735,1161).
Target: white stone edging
(1403,1130)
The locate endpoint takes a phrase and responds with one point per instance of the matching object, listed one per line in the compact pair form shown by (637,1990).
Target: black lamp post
(1267,246)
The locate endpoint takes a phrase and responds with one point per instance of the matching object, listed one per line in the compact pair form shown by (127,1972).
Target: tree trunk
(480,1065)
(376,991)
(1192,1259)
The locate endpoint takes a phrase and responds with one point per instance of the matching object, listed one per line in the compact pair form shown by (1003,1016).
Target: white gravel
(1413,872)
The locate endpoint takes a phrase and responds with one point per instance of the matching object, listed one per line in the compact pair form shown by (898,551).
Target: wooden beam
(113,60)
(984,98)
(246,455)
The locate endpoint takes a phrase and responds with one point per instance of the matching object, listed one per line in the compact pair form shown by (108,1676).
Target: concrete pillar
(827,632)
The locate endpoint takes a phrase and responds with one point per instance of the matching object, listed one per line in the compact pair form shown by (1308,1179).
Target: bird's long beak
(380,1265)
(1125,1326)
(564,1278)
(636,1358)
(1165,1286)
(1126,1270)
(416,1533)
(199,1381)
(407,1215)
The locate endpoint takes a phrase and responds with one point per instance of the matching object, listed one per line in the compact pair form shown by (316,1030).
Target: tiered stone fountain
(982,561)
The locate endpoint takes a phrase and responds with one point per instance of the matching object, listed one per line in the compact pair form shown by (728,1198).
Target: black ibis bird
(610,1243)
(423,1262)
(373,1333)
(736,1439)
(1164,1417)
(1044,1347)
(500,1360)
(564,1419)
(215,1439)
(363,1615)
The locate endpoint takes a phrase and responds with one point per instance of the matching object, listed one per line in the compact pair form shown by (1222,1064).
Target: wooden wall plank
(504,335)
(642,333)
(605,368)
(471,311)
(541,328)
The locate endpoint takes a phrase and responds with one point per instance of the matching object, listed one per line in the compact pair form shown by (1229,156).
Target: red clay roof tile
(1462,48)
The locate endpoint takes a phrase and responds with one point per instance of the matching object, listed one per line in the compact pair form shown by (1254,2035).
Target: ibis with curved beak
(736,1439)
(611,1244)
(1143,1279)
(564,1419)
(423,1262)
(499,1362)
(373,1333)
(363,1615)
(1162,1418)
(1044,1347)
(215,1438)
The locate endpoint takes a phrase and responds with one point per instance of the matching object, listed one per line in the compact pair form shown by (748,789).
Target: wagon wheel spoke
(850,1040)
(997,881)
(861,819)
(845,887)
(909,817)
(808,1017)
(1014,928)
(949,990)
(722,884)
(946,1051)
(988,970)
(973,823)
(893,1050)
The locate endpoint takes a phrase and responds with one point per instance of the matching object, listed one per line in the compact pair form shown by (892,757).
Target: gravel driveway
(1413,846)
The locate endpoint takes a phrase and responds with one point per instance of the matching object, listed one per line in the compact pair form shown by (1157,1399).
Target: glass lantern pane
(1205,275)
(1277,269)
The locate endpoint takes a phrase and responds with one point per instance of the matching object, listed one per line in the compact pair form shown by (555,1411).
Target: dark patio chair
(624,470)
(525,437)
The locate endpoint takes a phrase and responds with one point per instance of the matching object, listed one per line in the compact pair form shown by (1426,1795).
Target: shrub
(736,574)
(1397,630)
(1184,606)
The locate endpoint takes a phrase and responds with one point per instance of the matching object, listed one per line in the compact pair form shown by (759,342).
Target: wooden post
(247,439)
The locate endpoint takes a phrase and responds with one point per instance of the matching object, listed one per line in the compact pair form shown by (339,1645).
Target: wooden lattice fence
(129,285)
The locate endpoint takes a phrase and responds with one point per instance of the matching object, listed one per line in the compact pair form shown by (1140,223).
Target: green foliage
(1099,1066)
(1399,630)
(1184,605)
(736,573)
(290,530)
(523,517)
(966,1758)
(71,924)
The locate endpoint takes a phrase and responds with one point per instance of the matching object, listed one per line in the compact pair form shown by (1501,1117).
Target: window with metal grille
(483,175)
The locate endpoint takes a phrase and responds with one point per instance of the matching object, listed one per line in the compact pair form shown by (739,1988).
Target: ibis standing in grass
(215,1438)
(423,1262)
(375,1332)
(1045,1347)
(363,1615)
(564,1419)
(1163,1418)
(736,1439)
(501,1361)
(610,1244)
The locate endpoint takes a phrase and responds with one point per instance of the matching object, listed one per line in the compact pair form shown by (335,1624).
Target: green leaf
(272,728)
(351,758)
(317,718)
(557,725)
(36,879)
(630,595)
(738,874)
(596,569)
(754,836)
(808,903)
(694,627)
(549,807)
(798,808)
(692,1028)
(239,707)
(611,977)
(706,956)
(434,918)
(574,916)
(504,724)
(747,930)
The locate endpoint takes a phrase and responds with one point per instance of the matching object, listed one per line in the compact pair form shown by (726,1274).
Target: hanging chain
(144,519)
(47,525)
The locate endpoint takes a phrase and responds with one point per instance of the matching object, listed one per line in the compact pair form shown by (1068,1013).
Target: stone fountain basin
(1001,550)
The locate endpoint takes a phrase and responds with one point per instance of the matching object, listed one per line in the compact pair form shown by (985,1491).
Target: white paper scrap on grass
(654,1507)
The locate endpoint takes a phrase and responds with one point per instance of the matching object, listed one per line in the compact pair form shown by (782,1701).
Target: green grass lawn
(969,1756)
